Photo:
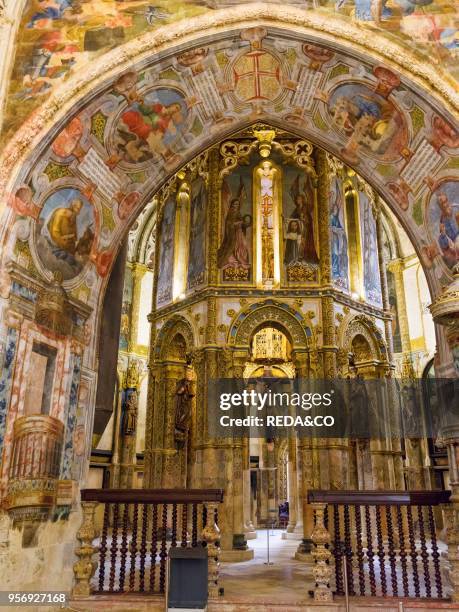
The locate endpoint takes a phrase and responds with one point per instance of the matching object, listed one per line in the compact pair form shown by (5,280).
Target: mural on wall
(234,257)
(443,220)
(125,322)
(92,159)
(397,339)
(59,37)
(151,125)
(370,121)
(371,275)
(338,237)
(300,236)
(166,253)
(197,241)
(65,232)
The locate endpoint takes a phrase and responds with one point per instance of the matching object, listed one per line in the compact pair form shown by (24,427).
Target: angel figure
(234,249)
(303,201)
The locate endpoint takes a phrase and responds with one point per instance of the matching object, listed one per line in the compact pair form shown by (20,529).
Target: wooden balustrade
(387,539)
(139,526)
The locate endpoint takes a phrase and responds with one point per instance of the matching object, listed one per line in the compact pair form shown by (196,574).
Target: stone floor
(252,586)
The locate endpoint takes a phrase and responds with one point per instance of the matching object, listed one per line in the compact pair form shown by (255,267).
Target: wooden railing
(138,528)
(387,541)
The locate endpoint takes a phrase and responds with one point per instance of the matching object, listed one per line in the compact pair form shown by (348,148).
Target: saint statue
(182,404)
(130,414)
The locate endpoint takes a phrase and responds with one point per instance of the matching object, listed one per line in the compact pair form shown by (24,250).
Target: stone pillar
(445,311)
(138,271)
(85,568)
(396,266)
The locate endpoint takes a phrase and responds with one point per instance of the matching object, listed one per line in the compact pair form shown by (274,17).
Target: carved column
(322,569)
(396,266)
(445,311)
(85,568)
(211,535)
(151,459)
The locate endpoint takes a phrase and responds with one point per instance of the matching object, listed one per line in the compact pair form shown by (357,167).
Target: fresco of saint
(65,232)
(371,276)
(234,250)
(197,255)
(150,127)
(443,220)
(339,254)
(302,197)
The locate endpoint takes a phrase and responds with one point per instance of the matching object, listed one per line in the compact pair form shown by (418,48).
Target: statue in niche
(182,405)
(266,175)
(233,255)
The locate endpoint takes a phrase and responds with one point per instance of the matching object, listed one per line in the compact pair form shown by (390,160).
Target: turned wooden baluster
(123,549)
(360,555)
(381,552)
(135,521)
(154,547)
(113,549)
(403,555)
(184,525)
(194,529)
(321,555)
(370,553)
(174,526)
(211,536)
(348,551)
(85,568)
(103,547)
(338,552)
(413,552)
(143,548)
(163,551)
(392,555)
(424,553)
(435,553)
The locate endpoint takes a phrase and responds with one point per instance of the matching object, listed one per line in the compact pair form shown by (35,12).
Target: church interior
(206,191)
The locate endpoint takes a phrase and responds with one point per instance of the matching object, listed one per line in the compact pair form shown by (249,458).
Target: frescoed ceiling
(59,37)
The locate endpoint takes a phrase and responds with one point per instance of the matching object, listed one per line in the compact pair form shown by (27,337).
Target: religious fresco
(396,336)
(300,255)
(151,125)
(371,123)
(234,256)
(65,232)
(119,147)
(338,237)
(443,220)
(197,239)
(369,242)
(166,253)
(125,322)
(58,37)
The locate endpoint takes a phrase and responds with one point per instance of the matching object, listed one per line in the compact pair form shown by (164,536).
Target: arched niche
(175,340)
(273,314)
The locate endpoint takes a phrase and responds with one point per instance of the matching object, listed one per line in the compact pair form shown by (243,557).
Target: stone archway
(75,142)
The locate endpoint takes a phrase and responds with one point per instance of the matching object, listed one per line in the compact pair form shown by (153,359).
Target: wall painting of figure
(443,220)
(338,237)
(152,126)
(301,252)
(234,256)
(197,253)
(166,253)
(369,121)
(371,275)
(65,232)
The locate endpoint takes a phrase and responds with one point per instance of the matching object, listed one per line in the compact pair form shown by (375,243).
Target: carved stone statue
(130,415)
(182,403)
